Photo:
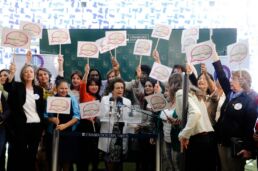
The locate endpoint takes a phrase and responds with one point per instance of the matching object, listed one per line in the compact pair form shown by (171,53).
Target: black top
(16,100)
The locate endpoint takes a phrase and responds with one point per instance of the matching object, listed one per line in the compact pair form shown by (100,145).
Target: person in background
(25,123)
(237,119)
(4,113)
(64,123)
(88,146)
(76,78)
(171,128)
(197,138)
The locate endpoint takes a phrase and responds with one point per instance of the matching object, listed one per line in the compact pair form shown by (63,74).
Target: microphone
(119,104)
(111,104)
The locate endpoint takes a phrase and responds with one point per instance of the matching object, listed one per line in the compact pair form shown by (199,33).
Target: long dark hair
(75,73)
(93,69)
(97,82)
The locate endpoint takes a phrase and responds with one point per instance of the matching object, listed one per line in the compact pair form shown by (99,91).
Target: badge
(238,106)
(36,96)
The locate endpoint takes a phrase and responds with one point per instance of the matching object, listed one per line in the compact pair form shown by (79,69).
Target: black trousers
(201,153)
(23,147)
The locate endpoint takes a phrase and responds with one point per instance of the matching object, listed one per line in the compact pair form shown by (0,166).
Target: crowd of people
(216,132)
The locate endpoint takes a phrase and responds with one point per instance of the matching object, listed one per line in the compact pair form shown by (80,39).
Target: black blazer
(238,115)
(16,100)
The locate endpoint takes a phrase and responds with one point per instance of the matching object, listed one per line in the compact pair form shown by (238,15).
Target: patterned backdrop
(134,14)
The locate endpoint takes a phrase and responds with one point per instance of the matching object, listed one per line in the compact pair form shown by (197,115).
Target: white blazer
(108,122)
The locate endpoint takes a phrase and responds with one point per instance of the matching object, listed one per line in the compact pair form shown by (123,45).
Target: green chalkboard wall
(170,51)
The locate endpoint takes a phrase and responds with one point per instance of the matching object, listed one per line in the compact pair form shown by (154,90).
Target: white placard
(200,52)
(60,105)
(116,38)
(15,38)
(58,37)
(87,49)
(33,29)
(162,31)
(104,46)
(40,60)
(142,47)
(189,38)
(238,52)
(90,109)
(157,102)
(160,72)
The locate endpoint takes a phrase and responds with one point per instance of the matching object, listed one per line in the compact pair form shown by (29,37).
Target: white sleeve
(193,116)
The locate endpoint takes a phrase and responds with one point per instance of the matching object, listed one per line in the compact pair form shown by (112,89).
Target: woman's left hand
(61,127)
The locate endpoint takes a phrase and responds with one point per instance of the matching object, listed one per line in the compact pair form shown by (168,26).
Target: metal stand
(55,146)
(158,153)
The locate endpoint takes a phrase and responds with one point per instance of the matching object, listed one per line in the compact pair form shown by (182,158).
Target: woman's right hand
(12,68)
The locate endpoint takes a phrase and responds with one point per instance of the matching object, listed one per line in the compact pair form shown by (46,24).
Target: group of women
(217,113)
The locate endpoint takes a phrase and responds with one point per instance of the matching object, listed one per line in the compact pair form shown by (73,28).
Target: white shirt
(197,118)
(166,124)
(29,107)
(107,125)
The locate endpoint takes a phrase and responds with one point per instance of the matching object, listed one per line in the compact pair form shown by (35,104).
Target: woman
(197,137)
(4,112)
(25,123)
(76,78)
(148,125)
(88,153)
(64,123)
(114,120)
(171,127)
(237,118)
(208,91)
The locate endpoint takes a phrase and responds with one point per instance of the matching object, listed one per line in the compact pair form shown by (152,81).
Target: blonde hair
(245,79)
(23,71)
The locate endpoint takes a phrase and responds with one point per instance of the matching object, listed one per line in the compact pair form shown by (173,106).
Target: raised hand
(155,55)
(28,57)
(203,68)
(139,72)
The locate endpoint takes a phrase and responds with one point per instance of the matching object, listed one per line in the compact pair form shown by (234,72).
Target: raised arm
(28,57)
(155,55)
(86,72)
(12,71)
(223,80)
(116,66)
(211,83)
(60,65)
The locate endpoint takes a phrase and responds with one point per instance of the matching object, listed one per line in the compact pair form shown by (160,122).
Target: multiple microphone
(118,104)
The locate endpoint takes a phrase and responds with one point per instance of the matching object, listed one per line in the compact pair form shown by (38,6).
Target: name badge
(36,96)
(238,106)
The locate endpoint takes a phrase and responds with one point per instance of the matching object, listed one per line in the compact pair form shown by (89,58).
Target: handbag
(236,146)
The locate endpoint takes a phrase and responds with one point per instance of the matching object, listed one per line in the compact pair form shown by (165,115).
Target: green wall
(170,51)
